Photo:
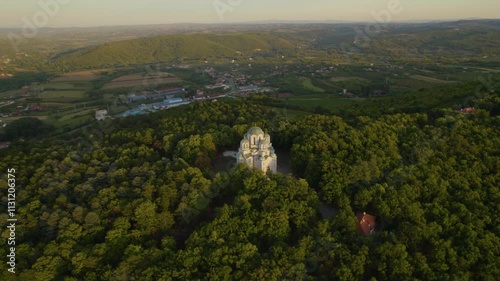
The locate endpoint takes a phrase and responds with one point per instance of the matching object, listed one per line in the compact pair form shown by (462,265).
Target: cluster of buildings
(172,102)
(200,96)
(147,108)
(33,107)
(239,84)
(172,99)
(19,109)
(156,94)
(348,94)
(228,80)
(218,85)
(253,89)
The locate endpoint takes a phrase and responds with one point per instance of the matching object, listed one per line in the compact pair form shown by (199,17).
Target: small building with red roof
(366,223)
(467,110)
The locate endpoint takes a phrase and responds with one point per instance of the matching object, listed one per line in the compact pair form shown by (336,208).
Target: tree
(28,127)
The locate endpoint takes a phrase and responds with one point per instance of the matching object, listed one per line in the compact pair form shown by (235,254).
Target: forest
(140,199)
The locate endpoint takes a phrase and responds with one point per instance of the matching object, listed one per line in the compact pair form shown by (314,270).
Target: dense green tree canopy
(141,199)
(28,127)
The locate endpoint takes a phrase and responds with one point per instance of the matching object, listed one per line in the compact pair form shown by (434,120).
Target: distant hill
(169,48)
(457,41)
(474,41)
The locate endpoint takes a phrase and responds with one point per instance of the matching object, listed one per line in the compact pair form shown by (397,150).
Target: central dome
(255,131)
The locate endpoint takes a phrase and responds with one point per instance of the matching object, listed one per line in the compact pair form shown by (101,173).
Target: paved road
(230,154)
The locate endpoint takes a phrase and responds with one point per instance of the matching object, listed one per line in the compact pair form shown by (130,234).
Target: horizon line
(422,21)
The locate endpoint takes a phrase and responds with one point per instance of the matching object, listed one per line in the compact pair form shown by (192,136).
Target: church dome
(255,131)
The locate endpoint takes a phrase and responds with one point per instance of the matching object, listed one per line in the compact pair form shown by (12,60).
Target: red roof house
(467,110)
(366,223)
(35,107)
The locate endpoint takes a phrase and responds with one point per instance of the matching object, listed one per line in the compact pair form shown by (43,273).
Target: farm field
(351,78)
(488,69)
(63,90)
(84,75)
(430,79)
(62,96)
(14,118)
(73,122)
(65,85)
(408,83)
(308,85)
(69,116)
(77,78)
(137,76)
(139,81)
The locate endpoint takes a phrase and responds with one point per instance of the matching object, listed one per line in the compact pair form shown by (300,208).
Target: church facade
(257,151)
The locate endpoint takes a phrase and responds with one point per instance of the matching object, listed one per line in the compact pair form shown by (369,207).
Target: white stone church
(257,151)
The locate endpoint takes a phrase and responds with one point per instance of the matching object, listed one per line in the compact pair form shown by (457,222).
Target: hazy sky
(128,12)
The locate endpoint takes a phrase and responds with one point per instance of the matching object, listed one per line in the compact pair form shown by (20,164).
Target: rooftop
(255,131)
(366,223)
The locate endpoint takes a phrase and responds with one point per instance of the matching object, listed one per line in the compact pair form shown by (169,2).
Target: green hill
(432,42)
(170,48)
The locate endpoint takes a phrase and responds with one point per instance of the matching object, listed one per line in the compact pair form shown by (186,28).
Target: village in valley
(76,99)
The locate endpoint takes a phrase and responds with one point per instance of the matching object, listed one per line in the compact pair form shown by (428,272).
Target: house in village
(100,115)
